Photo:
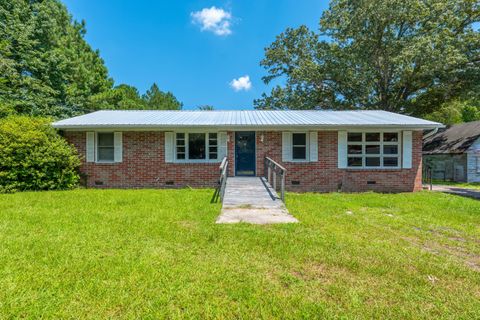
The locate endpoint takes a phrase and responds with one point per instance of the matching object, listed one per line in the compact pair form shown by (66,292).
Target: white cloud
(213,19)
(242,83)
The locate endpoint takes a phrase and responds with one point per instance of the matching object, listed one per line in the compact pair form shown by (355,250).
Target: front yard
(158,254)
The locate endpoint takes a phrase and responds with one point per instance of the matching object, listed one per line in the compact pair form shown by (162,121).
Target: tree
(206,107)
(121,97)
(159,100)
(46,67)
(407,56)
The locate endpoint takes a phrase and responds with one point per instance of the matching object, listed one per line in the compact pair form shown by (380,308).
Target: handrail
(222,181)
(271,166)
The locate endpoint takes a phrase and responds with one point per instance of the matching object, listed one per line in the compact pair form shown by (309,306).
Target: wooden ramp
(252,200)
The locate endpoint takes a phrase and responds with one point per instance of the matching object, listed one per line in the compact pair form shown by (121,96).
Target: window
(105,147)
(212,146)
(373,150)
(299,146)
(478,164)
(196,146)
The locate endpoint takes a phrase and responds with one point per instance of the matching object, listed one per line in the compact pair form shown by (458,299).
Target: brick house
(322,151)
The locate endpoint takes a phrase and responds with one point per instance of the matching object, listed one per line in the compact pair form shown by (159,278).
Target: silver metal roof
(242,119)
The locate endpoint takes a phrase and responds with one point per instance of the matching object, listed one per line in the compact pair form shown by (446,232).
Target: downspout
(431,133)
(429,171)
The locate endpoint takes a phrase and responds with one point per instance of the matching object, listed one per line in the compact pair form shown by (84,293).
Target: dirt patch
(457,252)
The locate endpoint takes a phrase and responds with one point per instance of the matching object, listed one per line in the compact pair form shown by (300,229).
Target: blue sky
(189,48)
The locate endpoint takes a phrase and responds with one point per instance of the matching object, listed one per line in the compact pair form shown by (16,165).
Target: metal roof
(241,119)
(455,139)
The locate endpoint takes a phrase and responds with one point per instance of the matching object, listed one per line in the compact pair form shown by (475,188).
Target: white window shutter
(342,149)
(286,146)
(407,150)
(118,146)
(313,141)
(90,147)
(169,145)
(222,145)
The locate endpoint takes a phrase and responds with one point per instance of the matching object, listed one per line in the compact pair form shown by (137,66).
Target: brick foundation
(144,166)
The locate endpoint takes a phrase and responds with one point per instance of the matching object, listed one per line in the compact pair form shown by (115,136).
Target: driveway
(464,192)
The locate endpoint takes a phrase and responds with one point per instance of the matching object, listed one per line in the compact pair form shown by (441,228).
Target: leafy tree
(206,108)
(34,156)
(471,113)
(156,99)
(407,56)
(121,97)
(448,113)
(46,67)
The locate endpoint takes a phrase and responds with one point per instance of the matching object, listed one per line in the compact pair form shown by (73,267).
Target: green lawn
(158,254)
(472,185)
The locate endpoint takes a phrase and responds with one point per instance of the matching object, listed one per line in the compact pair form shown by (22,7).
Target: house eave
(120,127)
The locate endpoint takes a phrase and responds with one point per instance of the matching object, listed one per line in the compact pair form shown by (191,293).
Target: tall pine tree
(46,67)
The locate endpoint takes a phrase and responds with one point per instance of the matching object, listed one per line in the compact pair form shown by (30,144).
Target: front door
(245,153)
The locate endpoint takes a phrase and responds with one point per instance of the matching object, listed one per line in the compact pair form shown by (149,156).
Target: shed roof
(241,119)
(455,139)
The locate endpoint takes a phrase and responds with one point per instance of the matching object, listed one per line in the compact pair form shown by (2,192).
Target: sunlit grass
(159,254)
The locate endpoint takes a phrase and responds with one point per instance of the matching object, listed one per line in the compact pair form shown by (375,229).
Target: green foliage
(156,99)
(34,157)
(407,56)
(122,97)
(448,113)
(471,113)
(455,111)
(206,108)
(46,66)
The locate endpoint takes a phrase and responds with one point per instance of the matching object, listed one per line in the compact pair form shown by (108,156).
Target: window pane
(196,146)
(212,139)
(299,139)
(390,149)
(212,155)
(354,149)
(299,153)
(390,136)
(354,136)
(180,135)
(372,162)
(105,153)
(105,139)
(181,156)
(390,162)
(354,162)
(374,149)
(372,136)
(181,149)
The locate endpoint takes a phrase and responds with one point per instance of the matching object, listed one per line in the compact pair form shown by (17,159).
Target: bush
(34,157)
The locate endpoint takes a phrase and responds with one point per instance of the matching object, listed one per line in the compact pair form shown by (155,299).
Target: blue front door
(245,153)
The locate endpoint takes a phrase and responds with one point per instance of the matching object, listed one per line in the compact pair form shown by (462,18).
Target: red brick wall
(324,175)
(144,166)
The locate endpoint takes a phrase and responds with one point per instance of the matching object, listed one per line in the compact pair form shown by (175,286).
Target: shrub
(33,156)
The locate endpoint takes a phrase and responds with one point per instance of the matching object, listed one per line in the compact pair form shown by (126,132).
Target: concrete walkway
(252,200)
(464,192)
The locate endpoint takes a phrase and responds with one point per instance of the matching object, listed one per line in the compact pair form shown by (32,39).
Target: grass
(471,185)
(158,254)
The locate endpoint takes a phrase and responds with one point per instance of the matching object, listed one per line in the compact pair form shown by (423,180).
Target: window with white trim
(196,146)
(478,164)
(105,147)
(299,146)
(373,149)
